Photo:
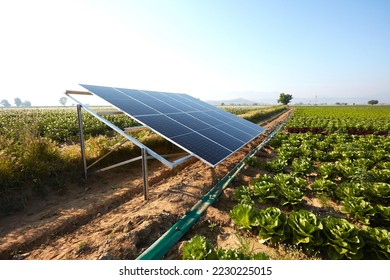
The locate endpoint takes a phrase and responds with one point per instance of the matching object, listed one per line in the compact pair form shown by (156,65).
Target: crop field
(325,191)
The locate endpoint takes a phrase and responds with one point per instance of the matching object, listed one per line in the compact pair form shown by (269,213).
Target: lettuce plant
(305,227)
(355,171)
(382,216)
(244,216)
(327,171)
(198,248)
(377,243)
(290,195)
(301,166)
(358,209)
(322,185)
(284,180)
(346,190)
(243,195)
(264,190)
(277,165)
(380,175)
(342,239)
(378,192)
(271,225)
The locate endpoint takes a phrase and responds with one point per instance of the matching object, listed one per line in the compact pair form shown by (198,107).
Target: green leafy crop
(322,185)
(382,216)
(264,188)
(342,239)
(271,225)
(379,192)
(327,171)
(244,216)
(243,195)
(377,243)
(305,227)
(198,248)
(358,209)
(301,166)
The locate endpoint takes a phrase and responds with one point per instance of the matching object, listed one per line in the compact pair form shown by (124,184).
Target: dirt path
(107,217)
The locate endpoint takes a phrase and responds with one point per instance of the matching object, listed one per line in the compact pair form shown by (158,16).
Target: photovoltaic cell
(166,126)
(190,121)
(199,128)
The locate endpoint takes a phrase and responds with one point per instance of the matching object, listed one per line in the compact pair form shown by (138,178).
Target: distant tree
(373,102)
(18,102)
(222,104)
(63,101)
(5,103)
(26,103)
(285,98)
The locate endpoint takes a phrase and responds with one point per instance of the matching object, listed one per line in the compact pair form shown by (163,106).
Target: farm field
(321,193)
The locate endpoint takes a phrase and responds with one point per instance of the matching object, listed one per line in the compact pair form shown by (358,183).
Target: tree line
(18,103)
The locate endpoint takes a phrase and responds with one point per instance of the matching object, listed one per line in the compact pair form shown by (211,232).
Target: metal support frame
(124,132)
(82,144)
(144,155)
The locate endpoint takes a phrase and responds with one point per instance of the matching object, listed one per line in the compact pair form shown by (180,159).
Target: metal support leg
(144,155)
(82,146)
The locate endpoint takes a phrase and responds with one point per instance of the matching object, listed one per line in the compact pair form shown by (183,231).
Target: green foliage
(327,171)
(271,225)
(264,188)
(377,243)
(382,215)
(290,195)
(373,102)
(301,166)
(305,227)
(342,239)
(252,161)
(380,175)
(379,192)
(243,195)
(358,209)
(244,216)
(355,171)
(322,185)
(255,114)
(198,248)
(341,119)
(277,165)
(289,189)
(285,98)
(346,190)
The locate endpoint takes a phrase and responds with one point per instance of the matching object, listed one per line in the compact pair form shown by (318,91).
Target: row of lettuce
(332,237)
(349,177)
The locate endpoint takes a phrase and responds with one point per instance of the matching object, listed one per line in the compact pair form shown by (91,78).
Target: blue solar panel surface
(201,129)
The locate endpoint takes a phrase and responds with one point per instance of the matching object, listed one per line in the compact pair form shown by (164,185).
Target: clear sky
(211,49)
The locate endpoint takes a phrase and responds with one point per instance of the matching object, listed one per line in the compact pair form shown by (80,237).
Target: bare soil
(106,217)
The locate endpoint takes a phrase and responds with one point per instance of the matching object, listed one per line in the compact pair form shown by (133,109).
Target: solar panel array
(197,127)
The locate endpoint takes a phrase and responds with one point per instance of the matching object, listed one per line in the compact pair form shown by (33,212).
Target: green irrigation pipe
(161,246)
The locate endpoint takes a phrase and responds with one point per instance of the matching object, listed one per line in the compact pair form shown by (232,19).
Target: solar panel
(197,127)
